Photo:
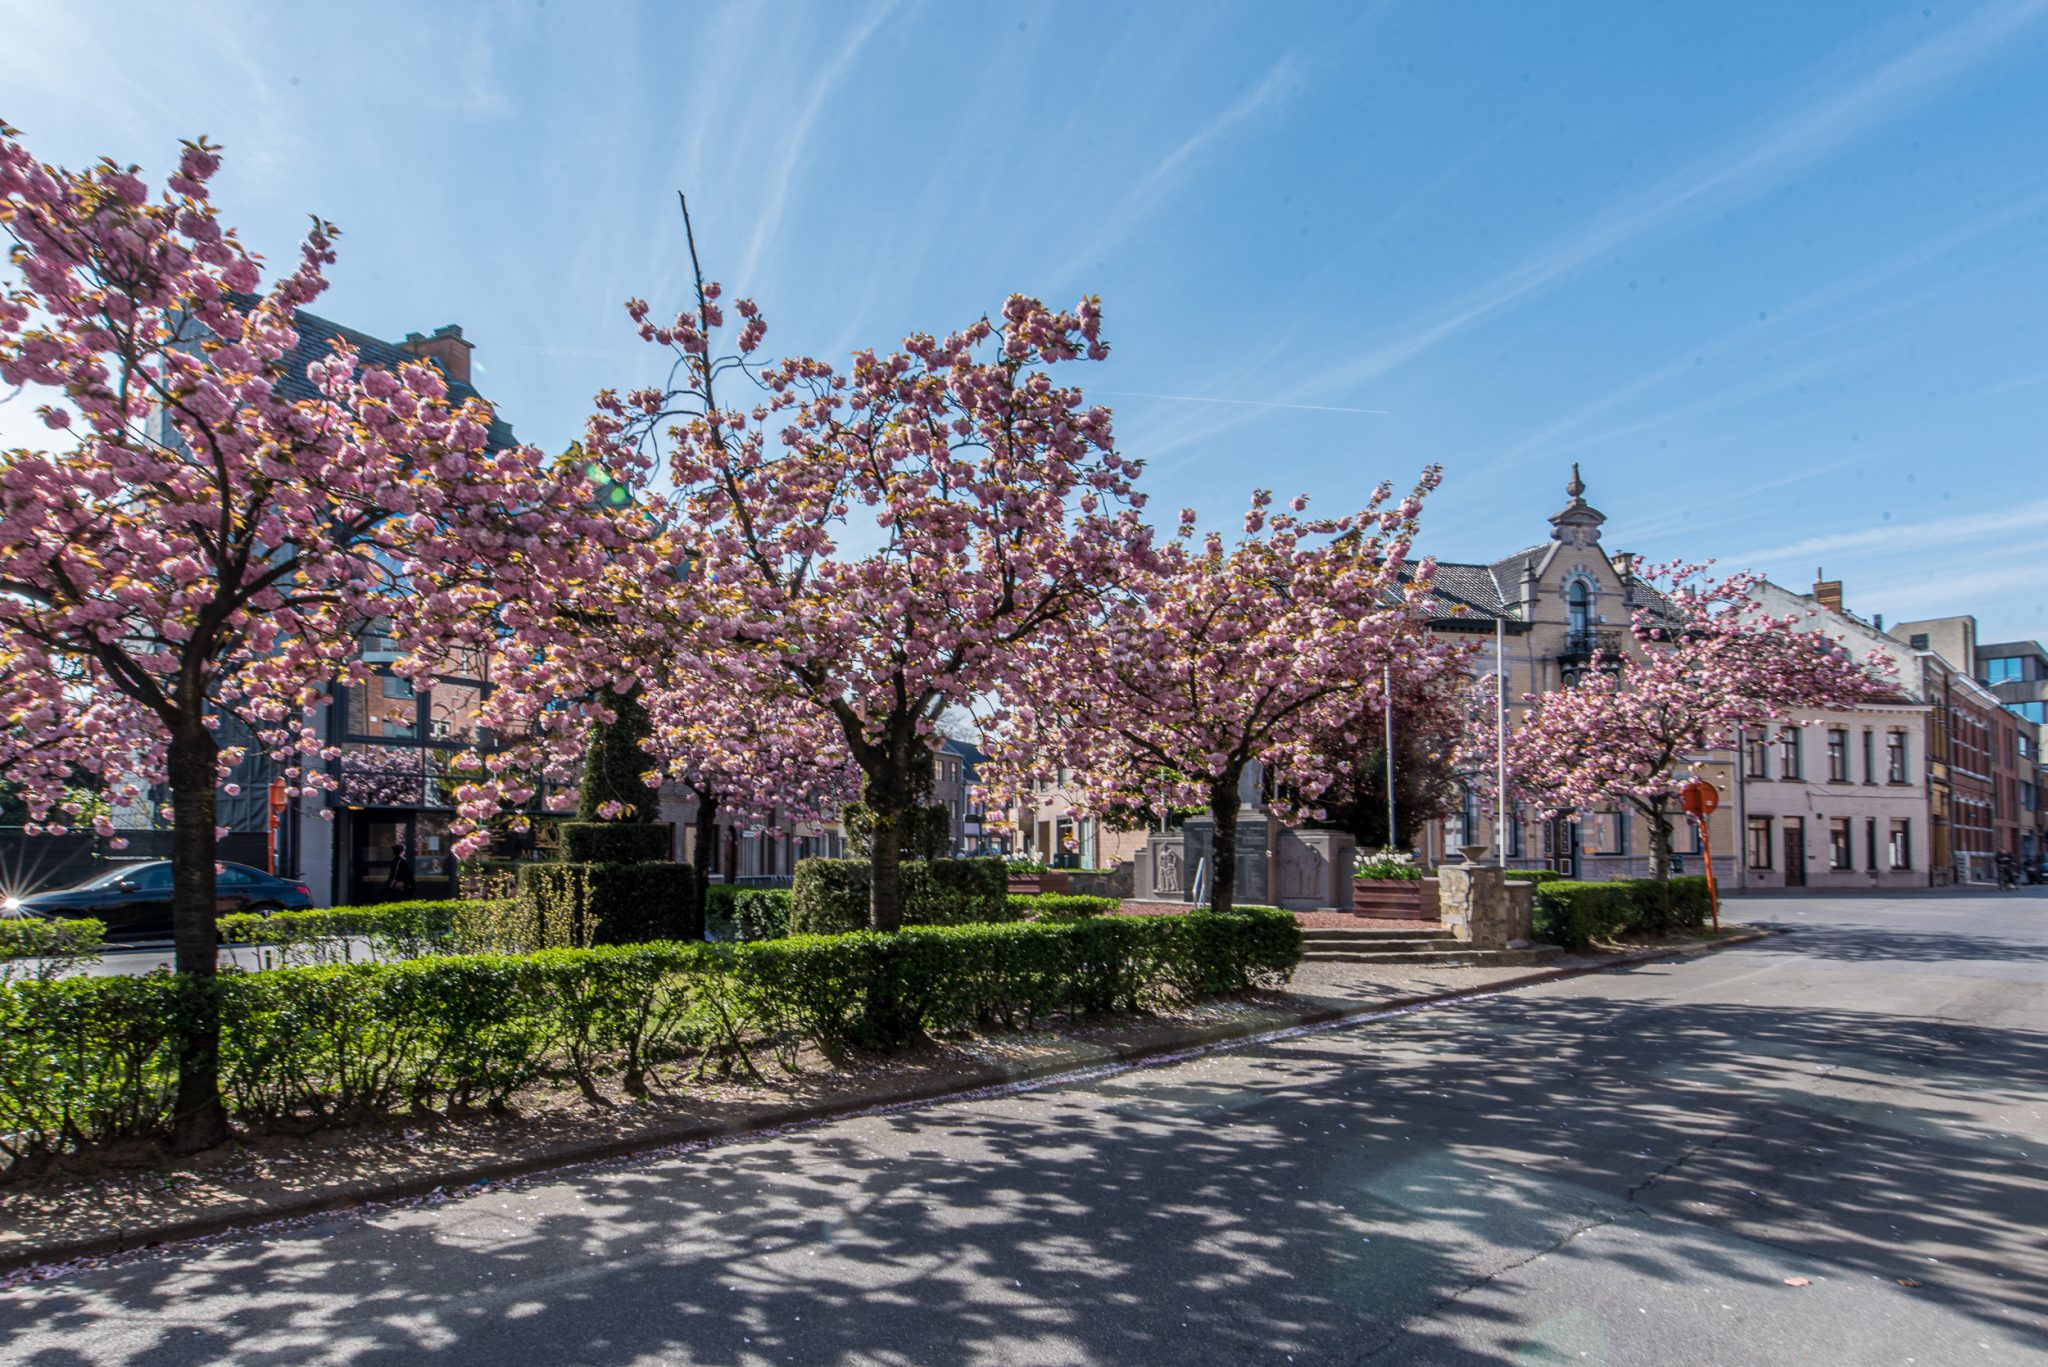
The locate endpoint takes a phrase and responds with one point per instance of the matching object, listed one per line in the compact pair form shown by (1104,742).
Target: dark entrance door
(378,873)
(1795,852)
(1562,841)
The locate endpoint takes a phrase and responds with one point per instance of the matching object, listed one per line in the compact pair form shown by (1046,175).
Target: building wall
(1880,793)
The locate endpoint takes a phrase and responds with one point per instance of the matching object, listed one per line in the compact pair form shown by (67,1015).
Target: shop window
(1902,844)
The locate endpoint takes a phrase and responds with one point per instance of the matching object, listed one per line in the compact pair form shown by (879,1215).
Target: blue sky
(1776,275)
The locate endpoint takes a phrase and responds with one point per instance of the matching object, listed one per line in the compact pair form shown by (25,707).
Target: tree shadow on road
(1322,1197)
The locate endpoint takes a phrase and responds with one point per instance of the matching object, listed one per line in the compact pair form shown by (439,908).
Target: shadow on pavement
(1312,1197)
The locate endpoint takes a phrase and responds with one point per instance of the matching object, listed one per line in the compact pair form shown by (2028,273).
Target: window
(1870,843)
(1838,755)
(1788,753)
(1895,756)
(1917,641)
(2032,711)
(1760,842)
(1606,837)
(1841,853)
(1869,755)
(1902,845)
(1580,603)
(2005,669)
(1759,749)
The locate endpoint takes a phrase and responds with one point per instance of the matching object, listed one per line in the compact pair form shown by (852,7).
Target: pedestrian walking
(400,882)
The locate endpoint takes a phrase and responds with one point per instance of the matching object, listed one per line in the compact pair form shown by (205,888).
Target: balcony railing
(1581,645)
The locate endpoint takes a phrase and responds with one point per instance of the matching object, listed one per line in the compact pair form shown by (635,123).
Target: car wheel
(264,908)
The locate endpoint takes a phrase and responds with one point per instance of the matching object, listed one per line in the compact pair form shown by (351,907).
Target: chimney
(1624,563)
(446,348)
(1827,592)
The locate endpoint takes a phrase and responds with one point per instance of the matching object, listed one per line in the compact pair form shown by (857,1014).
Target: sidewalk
(276,1178)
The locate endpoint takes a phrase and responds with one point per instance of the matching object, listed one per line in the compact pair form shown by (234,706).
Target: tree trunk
(706,852)
(885,873)
(1223,805)
(1660,842)
(199,1120)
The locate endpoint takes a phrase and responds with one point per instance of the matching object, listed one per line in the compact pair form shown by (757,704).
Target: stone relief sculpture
(1303,872)
(1166,877)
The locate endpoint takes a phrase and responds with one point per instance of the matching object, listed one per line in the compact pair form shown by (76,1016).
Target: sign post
(1698,799)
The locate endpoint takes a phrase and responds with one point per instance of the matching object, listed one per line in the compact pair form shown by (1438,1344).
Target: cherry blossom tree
(1208,658)
(891,538)
(738,739)
(1706,661)
(203,547)
(1431,700)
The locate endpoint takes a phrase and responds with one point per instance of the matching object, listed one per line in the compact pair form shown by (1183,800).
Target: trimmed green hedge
(87,1061)
(1536,876)
(831,895)
(395,930)
(761,913)
(1575,914)
(1058,906)
(615,842)
(35,948)
(572,906)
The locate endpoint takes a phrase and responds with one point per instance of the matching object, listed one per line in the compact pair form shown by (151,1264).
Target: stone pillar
(1475,904)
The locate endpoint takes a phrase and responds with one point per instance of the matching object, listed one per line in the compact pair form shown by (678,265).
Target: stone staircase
(1426,944)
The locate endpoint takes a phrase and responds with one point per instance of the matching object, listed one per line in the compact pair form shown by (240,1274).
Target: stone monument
(1276,864)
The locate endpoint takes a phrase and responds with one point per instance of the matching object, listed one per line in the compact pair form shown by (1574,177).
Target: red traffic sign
(1697,798)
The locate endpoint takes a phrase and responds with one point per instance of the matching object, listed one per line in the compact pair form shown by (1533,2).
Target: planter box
(1395,899)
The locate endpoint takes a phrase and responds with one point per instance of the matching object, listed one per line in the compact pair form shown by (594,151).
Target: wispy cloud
(1717,182)
(1248,403)
(797,145)
(1144,197)
(1771,330)
(1893,538)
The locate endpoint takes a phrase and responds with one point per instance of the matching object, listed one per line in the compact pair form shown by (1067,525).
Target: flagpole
(1387,679)
(1500,721)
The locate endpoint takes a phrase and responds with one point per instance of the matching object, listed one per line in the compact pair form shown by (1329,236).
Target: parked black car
(135,899)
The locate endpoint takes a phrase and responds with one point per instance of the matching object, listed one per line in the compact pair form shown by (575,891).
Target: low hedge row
(1536,876)
(1057,906)
(1575,914)
(86,1061)
(830,896)
(395,930)
(34,948)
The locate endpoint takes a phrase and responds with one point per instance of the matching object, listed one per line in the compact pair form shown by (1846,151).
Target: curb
(1156,1053)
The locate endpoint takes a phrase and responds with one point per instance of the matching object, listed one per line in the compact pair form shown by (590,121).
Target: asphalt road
(1624,1168)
